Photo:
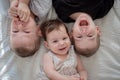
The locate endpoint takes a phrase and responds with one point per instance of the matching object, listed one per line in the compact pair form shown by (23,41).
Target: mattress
(103,65)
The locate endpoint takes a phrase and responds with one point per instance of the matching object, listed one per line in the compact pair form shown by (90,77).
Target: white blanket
(104,65)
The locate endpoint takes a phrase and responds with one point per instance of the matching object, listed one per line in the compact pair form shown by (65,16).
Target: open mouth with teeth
(83,23)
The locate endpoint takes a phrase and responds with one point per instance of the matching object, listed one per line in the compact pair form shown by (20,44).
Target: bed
(104,65)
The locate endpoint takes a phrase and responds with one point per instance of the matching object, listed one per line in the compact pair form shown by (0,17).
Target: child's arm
(49,69)
(81,70)
(23,10)
(13,8)
(19,8)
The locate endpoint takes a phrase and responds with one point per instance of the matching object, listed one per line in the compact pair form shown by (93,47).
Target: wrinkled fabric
(4,6)
(40,8)
(104,65)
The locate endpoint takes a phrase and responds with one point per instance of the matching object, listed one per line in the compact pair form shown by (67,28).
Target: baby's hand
(74,77)
(13,8)
(83,75)
(23,12)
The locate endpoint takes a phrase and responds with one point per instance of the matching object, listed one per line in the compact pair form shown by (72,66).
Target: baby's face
(85,33)
(58,41)
(24,34)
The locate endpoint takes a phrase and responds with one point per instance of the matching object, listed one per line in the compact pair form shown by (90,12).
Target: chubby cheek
(54,48)
(14,43)
(68,43)
(77,43)
(13,39)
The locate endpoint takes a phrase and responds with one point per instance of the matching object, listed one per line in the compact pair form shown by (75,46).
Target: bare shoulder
(46,56)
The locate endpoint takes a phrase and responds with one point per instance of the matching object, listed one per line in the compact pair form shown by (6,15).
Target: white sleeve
(40,7)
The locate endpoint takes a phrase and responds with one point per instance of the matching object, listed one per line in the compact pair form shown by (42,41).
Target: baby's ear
(71,34)
(98,30)
(46,44)
(71,37)
(39,32)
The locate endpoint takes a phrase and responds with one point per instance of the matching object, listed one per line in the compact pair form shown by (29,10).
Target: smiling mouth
(63,48)
(83,23)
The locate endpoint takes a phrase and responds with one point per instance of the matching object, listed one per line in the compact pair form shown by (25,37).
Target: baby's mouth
(83,23)
(63,48)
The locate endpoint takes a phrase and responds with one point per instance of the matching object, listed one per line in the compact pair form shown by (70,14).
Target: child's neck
(62,57)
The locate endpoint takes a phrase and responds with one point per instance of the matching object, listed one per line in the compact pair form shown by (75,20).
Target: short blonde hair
(24,51)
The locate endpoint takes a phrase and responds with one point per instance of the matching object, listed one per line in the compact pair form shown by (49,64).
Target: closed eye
(79,36)
(27,31)
(55,41)
(90,35)
(64,38)
(15,31)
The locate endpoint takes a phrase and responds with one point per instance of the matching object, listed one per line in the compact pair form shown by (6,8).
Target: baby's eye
(55,41)
(64,38)
(14,31)
(90,35)
(27,31)
(79,36)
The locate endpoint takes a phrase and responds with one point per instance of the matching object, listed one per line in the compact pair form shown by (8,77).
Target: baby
(85,35)
(25,37)
(86,41)
(25,32)
(61,62)
(19,8)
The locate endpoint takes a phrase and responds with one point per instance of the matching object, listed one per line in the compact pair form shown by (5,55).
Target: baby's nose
(83,30)
(61,42)
(20,27)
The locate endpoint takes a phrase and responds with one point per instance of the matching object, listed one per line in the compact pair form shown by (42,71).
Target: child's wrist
(13,3)
(83,72)
(24,2)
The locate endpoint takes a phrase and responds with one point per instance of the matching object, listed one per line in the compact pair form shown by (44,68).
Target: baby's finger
(81,78)
(23,18)
(15,18)
(27,16)
(12,12)
(13,15)
(13,9)
(20,13)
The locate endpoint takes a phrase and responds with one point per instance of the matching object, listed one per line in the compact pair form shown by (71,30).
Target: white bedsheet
(104,65)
